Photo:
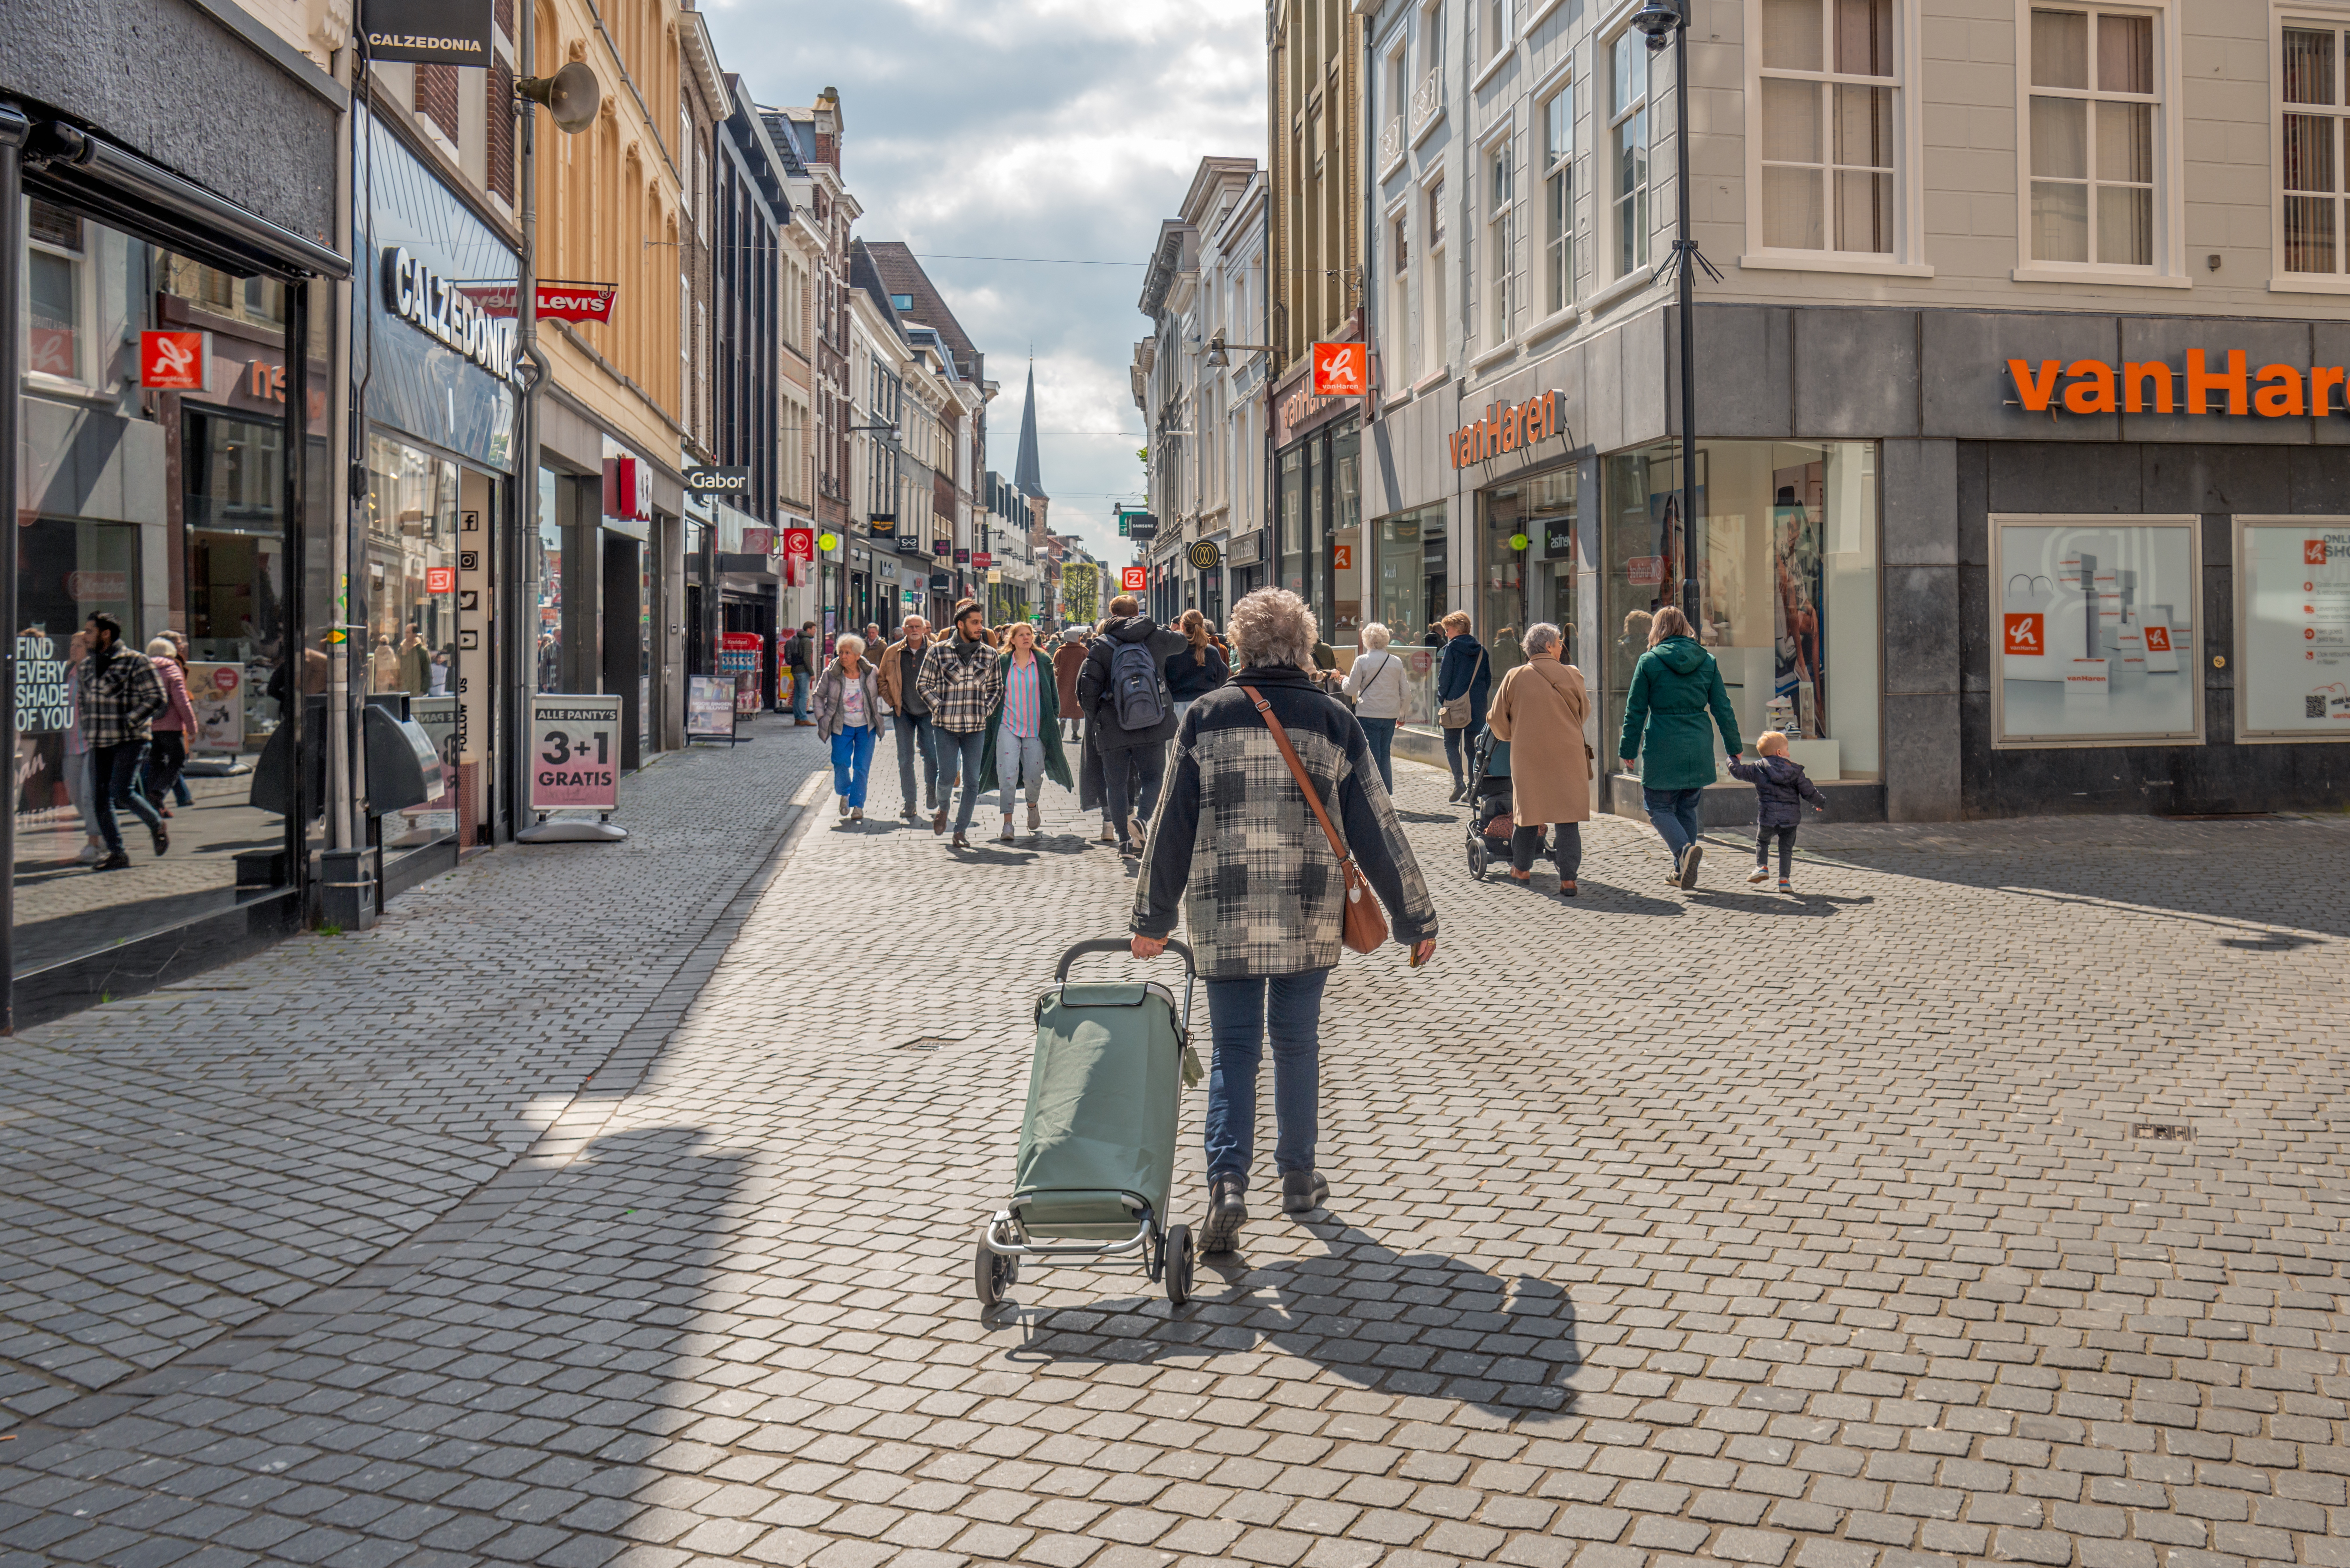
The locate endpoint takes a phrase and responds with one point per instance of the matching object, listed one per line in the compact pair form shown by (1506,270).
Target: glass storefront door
(1526,532)
(165,512)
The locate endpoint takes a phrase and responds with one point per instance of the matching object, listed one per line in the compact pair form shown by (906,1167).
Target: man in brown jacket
(900,663)
(1068,660)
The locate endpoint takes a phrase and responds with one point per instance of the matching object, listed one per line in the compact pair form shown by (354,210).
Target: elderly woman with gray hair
(1376,684)
(1540,709)
(1236,846)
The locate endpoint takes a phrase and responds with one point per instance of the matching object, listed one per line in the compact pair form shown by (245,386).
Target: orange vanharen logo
(1507,428)
(2151,386)
(1341,369)
(2158,639)
(2312,551)
(2025,637)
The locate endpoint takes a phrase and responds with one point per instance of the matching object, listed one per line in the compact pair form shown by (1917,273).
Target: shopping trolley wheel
(993,1274)
(1477,861)
(1178,1265)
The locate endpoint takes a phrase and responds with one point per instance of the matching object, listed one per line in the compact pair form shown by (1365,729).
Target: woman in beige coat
(1540,709)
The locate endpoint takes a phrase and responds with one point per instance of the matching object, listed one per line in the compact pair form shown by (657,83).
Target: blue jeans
(852,764)
(916,734)
(799,694)
(1674,811)
(960,755)
(1380,733)
(116,771)
(1241,1013)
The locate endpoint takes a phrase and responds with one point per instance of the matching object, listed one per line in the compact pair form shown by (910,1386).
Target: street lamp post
(1656,20)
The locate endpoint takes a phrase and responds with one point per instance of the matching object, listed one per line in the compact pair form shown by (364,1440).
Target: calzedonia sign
(440,309)
(1507,428)
(2151,386)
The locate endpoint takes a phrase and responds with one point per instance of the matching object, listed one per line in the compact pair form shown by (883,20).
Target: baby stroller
(1489,823)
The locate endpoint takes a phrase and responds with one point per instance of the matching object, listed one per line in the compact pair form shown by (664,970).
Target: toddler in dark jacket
(1783,787)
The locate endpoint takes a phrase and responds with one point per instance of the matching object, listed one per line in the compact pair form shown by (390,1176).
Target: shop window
(1627,148)
(411,608)
(1434,321)
(1345,601)
(1778,574)
(1827,101)
(1528,527)
(2292,628)
(2311,161)
(1559,200)
(1501,243)
(2090,137)
(234,486)
(2095,621)
(1407,567)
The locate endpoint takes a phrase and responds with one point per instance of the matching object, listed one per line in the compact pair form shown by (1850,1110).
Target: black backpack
(1137,696)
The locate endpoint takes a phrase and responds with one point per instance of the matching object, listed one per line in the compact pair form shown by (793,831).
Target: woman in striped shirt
(1028,729)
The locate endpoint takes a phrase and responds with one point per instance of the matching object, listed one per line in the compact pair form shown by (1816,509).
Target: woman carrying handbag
(1276,841)
(1464,682)
(1375,687)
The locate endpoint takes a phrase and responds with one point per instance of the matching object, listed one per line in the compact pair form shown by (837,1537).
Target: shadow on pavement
(1406,1323)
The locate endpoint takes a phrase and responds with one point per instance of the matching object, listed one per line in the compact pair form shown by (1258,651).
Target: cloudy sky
(1056,129)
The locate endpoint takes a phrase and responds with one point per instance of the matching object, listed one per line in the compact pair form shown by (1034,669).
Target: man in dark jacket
(800,658)
(1134,761)
(1463,669)
(1068,660)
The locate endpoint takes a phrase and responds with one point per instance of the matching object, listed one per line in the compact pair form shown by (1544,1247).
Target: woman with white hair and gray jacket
(1376,684)
(1236,844)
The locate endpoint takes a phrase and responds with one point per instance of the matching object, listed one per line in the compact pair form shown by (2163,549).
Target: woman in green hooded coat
(1026,725)
(1677,699)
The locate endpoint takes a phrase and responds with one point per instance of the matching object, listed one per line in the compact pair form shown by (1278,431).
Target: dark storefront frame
(83,174)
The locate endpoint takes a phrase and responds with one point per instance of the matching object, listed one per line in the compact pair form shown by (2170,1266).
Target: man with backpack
(1122,691)
(800,651)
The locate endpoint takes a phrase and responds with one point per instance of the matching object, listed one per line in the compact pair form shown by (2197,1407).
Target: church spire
(1027,473)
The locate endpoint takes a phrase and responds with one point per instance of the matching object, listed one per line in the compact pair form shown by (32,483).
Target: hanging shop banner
(1204,555)
(717,482)
(1342,370)
(175,362)
(2292,628)
(427,32)
(710,707)
(1133,579)
(2095,621)
(575,753)
(557,301)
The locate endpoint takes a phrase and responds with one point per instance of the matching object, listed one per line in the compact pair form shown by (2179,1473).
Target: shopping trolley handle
(1117,945)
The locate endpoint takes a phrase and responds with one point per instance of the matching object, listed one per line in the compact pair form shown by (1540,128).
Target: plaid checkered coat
(1237,846)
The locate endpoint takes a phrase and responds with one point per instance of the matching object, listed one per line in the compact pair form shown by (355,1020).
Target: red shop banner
(557,301)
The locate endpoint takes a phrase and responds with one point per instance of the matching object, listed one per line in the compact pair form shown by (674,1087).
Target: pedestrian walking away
(963,682)
(1464,682)
(1677,699)
(1124,692)
(1241,856)
(1028,729)
(1376,683)
(167,753)
(1540,709)
(847,703)
(78,775)
(799,657)
(1781,787)
(1199,669)
(900,668)
(1068,658)
(121,695)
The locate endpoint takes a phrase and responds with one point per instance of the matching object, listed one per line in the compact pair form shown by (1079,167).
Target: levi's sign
(2152,386)
(1507,428)
(440,309)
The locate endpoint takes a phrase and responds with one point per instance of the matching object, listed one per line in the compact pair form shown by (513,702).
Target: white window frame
(1562,83)
(1401,348)
(1497,231)
(2281,17)
(1604,122)
(1395,70)
(1427,66)
(1435,336)
(2169,266)
(1907,257)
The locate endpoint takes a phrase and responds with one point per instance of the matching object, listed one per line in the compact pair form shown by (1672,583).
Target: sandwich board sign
(709,708)
(574,766)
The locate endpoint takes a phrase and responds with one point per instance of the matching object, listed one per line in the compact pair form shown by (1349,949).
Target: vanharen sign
(2151,386)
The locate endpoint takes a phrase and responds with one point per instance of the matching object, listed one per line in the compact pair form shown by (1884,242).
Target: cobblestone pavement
(1849,1229)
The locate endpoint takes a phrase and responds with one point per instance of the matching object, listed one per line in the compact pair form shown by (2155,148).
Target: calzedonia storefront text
(1974,563)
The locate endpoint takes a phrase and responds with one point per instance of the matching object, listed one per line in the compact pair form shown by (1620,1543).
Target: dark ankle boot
(1303,1192)
(1227,1212)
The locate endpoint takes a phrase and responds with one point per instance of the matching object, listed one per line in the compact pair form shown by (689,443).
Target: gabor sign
(2151,386)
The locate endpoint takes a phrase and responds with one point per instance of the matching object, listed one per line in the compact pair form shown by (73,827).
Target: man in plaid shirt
(121,695)
(963,680)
